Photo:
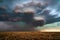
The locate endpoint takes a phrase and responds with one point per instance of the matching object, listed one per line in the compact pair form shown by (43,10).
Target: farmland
(29,36)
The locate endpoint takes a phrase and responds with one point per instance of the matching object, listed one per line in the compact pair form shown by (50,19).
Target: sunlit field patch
(29,35)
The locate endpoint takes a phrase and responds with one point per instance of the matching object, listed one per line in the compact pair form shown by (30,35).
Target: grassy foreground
(29,36)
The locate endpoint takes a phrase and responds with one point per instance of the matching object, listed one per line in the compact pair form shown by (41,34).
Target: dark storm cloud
(7,26)
(11,26)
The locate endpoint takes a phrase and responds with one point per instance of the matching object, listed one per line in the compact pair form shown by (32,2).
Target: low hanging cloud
(11,26)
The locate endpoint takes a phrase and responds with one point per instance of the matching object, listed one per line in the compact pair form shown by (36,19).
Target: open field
(29,36)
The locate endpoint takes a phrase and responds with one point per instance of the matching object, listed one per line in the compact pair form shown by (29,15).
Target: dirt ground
(29,36)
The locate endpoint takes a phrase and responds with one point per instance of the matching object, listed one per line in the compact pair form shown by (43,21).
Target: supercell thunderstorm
(53,6)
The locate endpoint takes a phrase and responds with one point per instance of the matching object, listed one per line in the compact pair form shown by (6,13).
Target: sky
(54,7)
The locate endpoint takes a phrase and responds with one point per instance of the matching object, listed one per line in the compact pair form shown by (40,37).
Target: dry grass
(29,36)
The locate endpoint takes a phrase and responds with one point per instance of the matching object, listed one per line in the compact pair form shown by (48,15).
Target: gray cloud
(11,26)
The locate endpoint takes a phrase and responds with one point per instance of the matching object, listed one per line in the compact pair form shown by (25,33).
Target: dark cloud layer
(11,26)
(7,26)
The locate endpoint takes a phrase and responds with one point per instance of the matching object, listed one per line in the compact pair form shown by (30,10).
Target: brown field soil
(29,36)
